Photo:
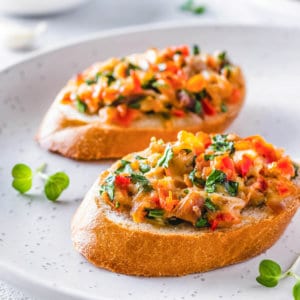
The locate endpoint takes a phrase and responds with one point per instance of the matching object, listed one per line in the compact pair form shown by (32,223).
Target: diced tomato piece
(261,184)
(66,98)
(282,189)
(125,117)
(227,166)
(214,225)
(235,96)
(178,113)
(262,148)
(122,181)
(225,217)
(286,167)
(184,49)
(245,165)
(208,108)
(171,67)
(79,79)
(137,87)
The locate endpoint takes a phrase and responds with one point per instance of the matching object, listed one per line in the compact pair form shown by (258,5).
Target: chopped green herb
(80,105)
(165,115)
(221,144)
(138,157)
(130,67)
(216,176)
(201,95)
(144,168)
(190,6)
(195,180)
(90,81)
(187,151)
(186,191)
(125,167)
(154,213)
(142,181)
(209,205)
(150,85)
(117,204)
(55,185)
(296,168)
(110,78)
(224,107)
(222,56)
(158,84)
(109,187)
(196,50)
(166,157)
(209,156)
(202,222)
(198,107)
(22,175)
(232,187)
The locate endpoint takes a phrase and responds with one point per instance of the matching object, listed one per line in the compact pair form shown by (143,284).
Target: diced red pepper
(245,165)
(178,113)
(282,189)
(184,49)
(286,167)
(227,166)
(261,184)
(125,117)
(214,225)
(262,148)
(208,108)
(137,87)
(122,182)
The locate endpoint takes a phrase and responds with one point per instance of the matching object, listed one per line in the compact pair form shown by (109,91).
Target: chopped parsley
(167,156)
(144,168)
(209,205)
(224,107)
(190,6)
(202,222)
(195,180)
(142,181)
(198,107)
(154,213)
(216,176)
(130,67)
(196,50)
(232,187)
(151,85)
(221,144)
(109,187)
(125,167)
(209,156)
(80,105)
(296,168)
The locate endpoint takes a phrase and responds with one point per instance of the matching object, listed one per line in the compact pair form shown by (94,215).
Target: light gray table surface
(99,15)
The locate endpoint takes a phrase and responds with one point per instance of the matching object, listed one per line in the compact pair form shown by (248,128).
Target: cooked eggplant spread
(204,179)
(171,82)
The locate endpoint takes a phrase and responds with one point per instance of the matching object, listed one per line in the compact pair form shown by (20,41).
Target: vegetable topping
(169,82)
(205,180)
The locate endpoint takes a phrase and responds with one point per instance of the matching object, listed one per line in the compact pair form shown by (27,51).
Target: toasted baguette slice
(90,136)
(238,198)
(111,240)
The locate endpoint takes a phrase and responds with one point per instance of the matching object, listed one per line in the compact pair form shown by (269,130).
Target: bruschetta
(202,202)
(115,107)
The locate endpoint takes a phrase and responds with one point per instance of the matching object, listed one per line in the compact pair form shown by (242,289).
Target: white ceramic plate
(35,248)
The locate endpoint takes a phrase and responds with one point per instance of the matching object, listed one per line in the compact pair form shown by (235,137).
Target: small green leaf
(80,105)
(222,56)
(22,175)
(154,213)
(202,222)
(166,157)
(142,181)
(138,157)
(109,187)
(125,167)
(216,176)
(232,187)
(269,273)
(209,156)
(144,168)
(195,180)
(224,108)
(198,107)
(296,291)
(55,185)
(221,144)
(209,205)
(196,50)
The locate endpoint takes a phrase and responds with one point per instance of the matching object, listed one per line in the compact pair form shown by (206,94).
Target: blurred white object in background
(37,7)
(19,37)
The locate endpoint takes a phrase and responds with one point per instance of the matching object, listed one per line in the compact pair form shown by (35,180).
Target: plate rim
(25,280)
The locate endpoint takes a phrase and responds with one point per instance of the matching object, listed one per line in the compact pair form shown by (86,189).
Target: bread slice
(86,136)
(111,240)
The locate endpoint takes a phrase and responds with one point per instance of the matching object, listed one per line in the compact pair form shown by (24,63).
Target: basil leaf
(216,176)
(109,187)
(55,185)
(154,213)
(80,105)
(167,156)
(22,175)
(269,273)
(209,205)
(202,222)
(232,187)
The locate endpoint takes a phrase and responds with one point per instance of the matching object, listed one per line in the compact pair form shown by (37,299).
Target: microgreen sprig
(54,184)
(190,6)
(270,274)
